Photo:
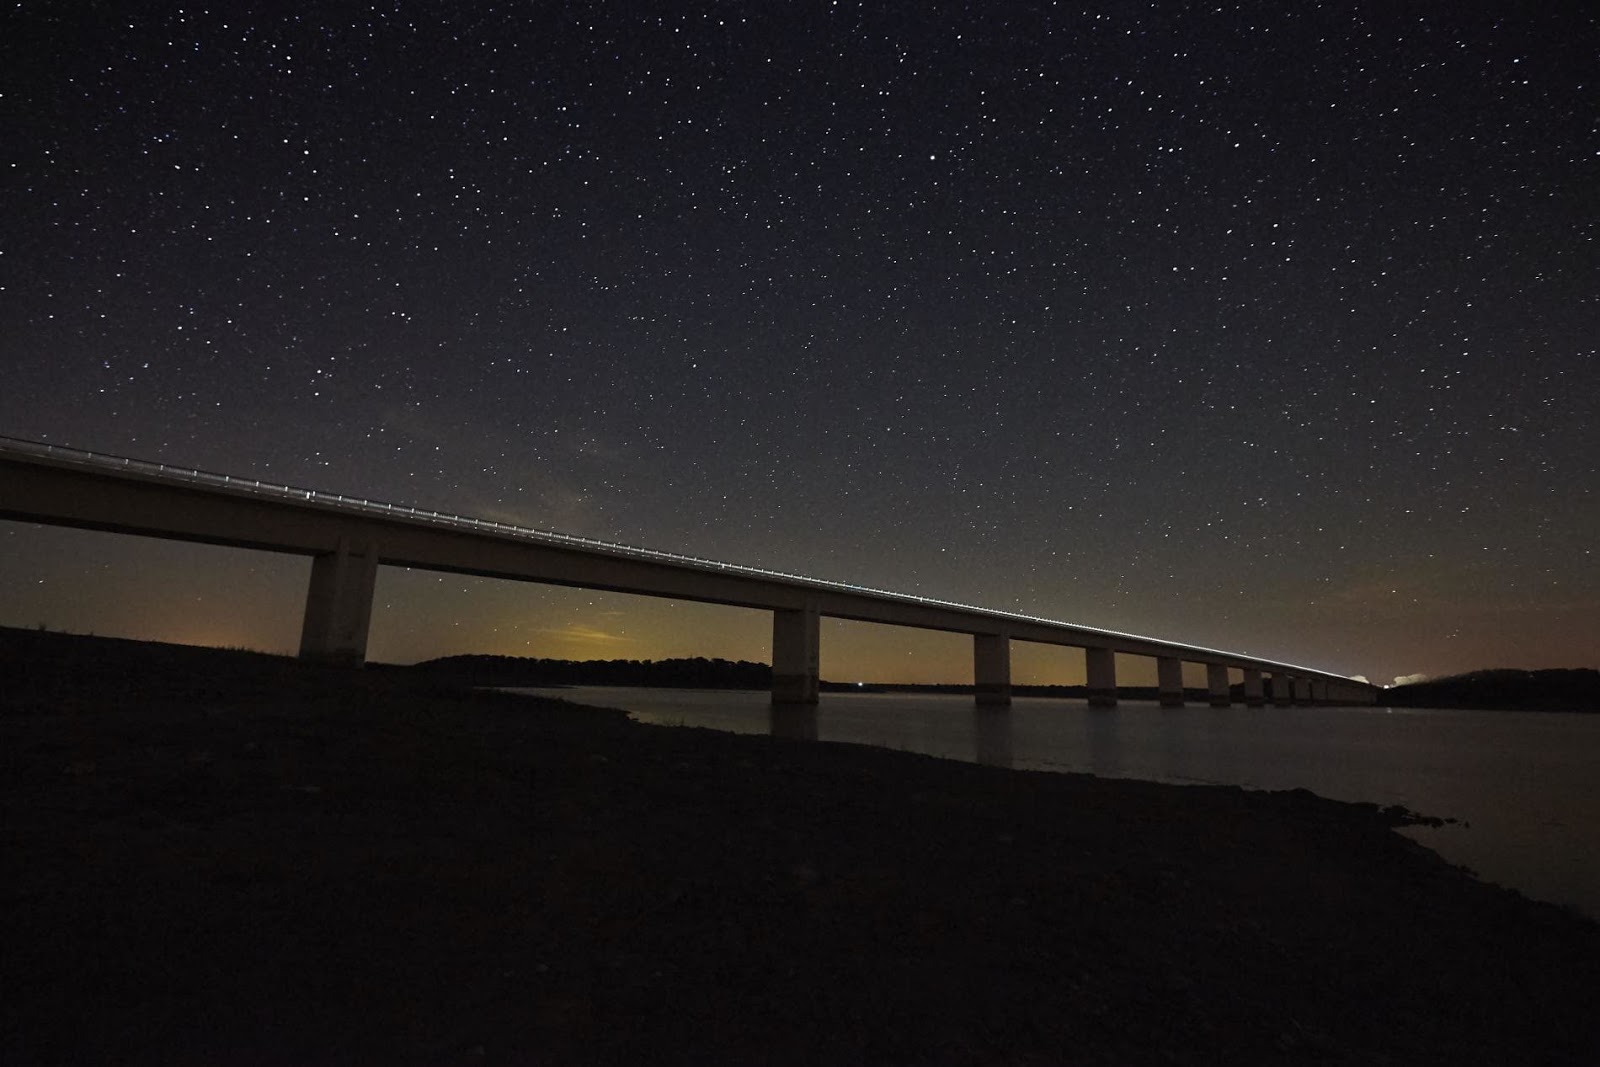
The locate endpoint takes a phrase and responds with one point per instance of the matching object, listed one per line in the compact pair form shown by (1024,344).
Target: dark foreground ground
(222,858)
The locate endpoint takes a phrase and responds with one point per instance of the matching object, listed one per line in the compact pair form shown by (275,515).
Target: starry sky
(1264,326)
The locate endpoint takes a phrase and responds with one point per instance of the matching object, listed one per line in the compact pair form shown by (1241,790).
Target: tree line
(693,673)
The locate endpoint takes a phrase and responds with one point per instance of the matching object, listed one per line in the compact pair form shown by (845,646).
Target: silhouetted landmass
(958,688)
(1509,690)
(1061,692)
(701,673)
(1548,690)
(694,673)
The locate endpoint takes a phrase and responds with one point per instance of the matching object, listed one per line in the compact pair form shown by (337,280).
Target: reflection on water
(1105,741)
(1522,783)
(797,722)
(991,736)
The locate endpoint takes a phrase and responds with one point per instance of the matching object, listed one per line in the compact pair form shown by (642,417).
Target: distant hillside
(696,673)
(1554,690)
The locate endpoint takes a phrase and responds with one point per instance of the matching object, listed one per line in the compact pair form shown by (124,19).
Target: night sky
(1270,326)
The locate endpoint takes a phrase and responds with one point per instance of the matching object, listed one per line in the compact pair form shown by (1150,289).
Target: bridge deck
(350,537)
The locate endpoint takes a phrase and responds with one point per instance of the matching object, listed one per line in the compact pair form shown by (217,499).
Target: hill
(694,673)
(1512,690)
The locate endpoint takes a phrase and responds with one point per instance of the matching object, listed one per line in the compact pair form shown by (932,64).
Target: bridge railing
(168,471)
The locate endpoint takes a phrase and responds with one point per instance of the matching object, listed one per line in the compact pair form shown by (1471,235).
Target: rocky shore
(220,857)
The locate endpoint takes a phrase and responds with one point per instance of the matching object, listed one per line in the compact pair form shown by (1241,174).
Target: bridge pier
(1282,690)
(339,605)
(796,655)
(1100,674)
(991,669)
(1254,695)
(1217,685)
(1169,681)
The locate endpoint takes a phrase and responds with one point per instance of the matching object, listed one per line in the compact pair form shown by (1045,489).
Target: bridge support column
(796,655)
(1100,674)
(1169,681)
(339,606)
(1282,690)
(1254,695)
(1217,685)
(991,669)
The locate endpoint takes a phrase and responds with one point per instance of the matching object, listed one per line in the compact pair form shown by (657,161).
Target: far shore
(230,857)
(1575,690)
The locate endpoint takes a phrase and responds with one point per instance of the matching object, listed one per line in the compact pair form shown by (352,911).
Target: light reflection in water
(1105,741)
(796,722)
(991,736)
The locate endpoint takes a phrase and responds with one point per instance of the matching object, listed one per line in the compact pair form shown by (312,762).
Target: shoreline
(229,856)
(1531,841)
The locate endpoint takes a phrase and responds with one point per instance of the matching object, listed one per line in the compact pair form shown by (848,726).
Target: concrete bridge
(348,538)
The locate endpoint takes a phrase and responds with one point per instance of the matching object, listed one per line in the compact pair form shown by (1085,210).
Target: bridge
(348,538)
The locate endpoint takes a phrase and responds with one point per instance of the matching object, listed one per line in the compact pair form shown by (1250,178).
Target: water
(1524,785)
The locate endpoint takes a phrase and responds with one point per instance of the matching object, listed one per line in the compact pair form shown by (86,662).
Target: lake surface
(1525,785)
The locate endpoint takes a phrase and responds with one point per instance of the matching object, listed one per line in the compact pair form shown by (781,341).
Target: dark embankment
(1509,690)
(225,858)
